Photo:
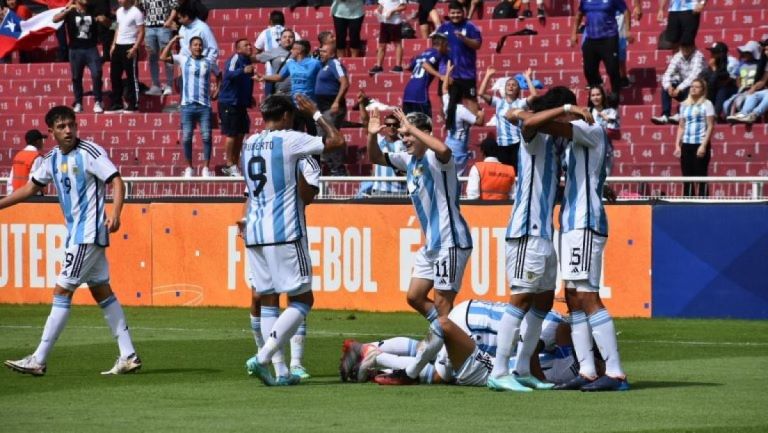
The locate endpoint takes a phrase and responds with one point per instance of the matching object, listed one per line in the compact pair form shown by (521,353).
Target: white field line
(354,334)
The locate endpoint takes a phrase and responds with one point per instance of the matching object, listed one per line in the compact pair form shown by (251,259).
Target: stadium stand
(147,143)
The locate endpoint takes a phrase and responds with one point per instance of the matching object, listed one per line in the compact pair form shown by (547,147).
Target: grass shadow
(659,384)
(180,370)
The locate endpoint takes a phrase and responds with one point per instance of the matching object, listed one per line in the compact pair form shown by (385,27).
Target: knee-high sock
(582,344)
(395,362)
(531,336)
(604,333)
(56,322)
(113,314)
(297,344)
(432,344)
(283,329)
(256,328)
(269,316)
(509,330)
(401,346)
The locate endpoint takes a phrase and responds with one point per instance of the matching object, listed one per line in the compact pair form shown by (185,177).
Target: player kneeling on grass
(275,230)
(470,345)
(434,190)
(309,185)
(584,230)
(79,170)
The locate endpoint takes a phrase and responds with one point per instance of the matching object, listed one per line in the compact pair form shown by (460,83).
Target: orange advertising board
(189,254)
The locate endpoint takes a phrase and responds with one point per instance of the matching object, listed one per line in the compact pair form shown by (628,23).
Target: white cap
(752,47)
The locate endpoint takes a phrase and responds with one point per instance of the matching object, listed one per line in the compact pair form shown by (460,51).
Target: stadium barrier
(189,254)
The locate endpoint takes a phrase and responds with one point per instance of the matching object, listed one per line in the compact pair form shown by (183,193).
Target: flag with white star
(16,34)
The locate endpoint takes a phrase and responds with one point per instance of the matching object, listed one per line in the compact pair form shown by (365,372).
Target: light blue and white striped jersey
(538,174)
(458,138)
(586,170)
(383,170)
(507,133)
(434,190)
(681,5)
(80,177)
(200,29)
(269,38)
(196,79)
(695,116)
(612,121)
(270,162)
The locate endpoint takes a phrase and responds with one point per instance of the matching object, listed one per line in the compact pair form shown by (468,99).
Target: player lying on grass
(468,354)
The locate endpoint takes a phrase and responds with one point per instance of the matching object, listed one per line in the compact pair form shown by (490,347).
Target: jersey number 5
(257,173)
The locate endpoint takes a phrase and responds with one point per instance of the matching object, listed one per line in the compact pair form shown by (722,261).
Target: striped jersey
(434,190)
(507,133)
(196,79)
(695,116)
(538,174)
(269,38)
(80,177)
(458,137)
(586,170)
(386,171)
(270,162)
(681,5)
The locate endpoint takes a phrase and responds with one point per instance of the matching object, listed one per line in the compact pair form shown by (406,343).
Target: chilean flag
(16,34)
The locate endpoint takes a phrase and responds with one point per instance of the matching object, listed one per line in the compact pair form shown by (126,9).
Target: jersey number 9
(257,173)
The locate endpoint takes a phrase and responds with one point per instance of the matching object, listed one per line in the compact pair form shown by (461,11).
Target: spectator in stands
(196,95)
(424,68)
(721,75)
(607,117)
(507,133)
(24,13)
(749,57)
(235,97)
(489,179)
(624,24)
(324,38)
(685,66)
(601,41)
(472,6)
(388,141)
(191,26)
(81,20)
(302,71)
(348,16)
(464,39)
(156,37)
(390,18)
(331,88)
(427,15)
(26,161)
(129,36)
(756,101)
(106,33)
(269,38)
(682,22)
(693,143)
(196,7)
(457,138)
(274,60)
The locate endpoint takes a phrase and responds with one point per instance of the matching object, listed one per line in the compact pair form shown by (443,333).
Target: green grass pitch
(687,375)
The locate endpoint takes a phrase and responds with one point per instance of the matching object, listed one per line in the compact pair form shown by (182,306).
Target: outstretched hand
(374,122)
(305,105)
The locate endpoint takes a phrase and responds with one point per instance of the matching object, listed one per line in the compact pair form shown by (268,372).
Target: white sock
(282,330)
(269,316)
(509,330)
(297,344)
(113,314)
(395,362)
(256,328)
(56,322)
(582,344)
(402,346)
(278,362)
(531,337)
(604,333)
(427,374)
(432,345)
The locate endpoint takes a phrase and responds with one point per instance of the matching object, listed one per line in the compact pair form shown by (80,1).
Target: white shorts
(475,370)
(458,315)
(444,267)
(283,268)
(560,366)
(531,264)
(581,259)
(83,263)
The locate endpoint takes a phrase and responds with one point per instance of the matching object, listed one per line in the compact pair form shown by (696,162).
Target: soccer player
(80,170)
(457,138)
(424,68)
(309,185)
(275,230)
(530,253)
(440,262)
(584,230)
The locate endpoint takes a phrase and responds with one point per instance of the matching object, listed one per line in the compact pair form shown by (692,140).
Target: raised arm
(442,151)
(375,155)
(166,55)
(59,17)
(528,75)
(488,98)
(333,138)
(544,120)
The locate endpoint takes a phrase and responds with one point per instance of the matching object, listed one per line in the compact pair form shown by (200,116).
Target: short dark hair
(277,17)
(322,36)
(186,10)
(288,30)
(59,112)
(555,97)
(304,45)
(489,147)
(237,42)
(455,5)
(275,106)
(196,37)
(420,121)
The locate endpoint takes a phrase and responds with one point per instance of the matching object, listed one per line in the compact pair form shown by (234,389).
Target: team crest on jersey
(74,169)
(63,168)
